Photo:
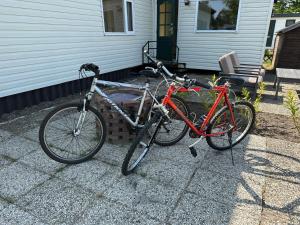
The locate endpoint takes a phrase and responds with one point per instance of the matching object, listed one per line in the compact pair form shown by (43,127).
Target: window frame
(217,31)
(287,20)
(125,18)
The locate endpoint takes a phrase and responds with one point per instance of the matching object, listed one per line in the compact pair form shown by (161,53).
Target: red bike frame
(223,93)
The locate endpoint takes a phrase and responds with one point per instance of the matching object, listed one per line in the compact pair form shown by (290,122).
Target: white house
(43,43)
(278,22)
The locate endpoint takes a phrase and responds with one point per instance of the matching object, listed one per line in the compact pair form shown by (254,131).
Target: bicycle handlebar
(90,67)
(185,79)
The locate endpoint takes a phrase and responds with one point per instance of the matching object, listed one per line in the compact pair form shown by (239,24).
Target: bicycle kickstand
(192,148)
(230,143)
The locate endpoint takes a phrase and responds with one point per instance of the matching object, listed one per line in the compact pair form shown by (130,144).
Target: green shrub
(291,104)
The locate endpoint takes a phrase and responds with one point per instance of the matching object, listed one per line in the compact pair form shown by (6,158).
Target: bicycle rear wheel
(63,142)
(244,114)
(141,145)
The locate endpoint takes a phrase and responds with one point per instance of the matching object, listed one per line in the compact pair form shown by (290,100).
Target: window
(217,15)
(118,16)
(289,22)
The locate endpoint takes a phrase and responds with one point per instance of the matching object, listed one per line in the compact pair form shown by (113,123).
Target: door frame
(156,25)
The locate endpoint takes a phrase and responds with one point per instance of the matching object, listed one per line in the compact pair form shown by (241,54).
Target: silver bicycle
(74,132)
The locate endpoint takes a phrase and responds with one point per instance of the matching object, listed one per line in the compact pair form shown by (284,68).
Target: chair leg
(277,87)
(275,81)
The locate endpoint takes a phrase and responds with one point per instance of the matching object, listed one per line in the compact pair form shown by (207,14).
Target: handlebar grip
(200,84)
(90,67)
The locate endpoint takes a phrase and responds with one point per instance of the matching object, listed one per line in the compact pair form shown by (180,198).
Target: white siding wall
(43,43)
(280,24)
(202,50)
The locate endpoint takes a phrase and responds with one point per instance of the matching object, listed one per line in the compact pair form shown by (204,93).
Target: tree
(286,6)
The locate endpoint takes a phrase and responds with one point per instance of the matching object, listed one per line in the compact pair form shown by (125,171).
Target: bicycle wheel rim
(172,130)
(244,118)
(63,144)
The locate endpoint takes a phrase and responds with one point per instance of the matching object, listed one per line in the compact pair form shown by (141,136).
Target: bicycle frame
(223,94)
(145,88)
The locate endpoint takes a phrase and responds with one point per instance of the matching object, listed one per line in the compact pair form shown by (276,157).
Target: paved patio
(170,187)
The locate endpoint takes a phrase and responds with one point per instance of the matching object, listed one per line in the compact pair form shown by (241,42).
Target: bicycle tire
(172,139)
(220,113)
(47,147)
(143,132)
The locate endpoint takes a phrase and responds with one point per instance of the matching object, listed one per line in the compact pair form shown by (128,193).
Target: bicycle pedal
(193,151)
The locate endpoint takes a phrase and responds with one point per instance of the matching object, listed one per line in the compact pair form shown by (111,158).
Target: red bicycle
(222,129)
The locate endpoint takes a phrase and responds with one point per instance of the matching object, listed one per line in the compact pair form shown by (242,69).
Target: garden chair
(250,78)
(245,68)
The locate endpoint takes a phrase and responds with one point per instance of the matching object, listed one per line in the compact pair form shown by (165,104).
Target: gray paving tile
(283,196)
(227,190)
(166,172)
(4,135)
(104,212)
(178,153)
(144,195)
(249,161)
(94,175)
(193,209)
(32,134)
(271,217)
(17,147)
(40,161)
(112,154)
(4,161)
(56,202)
(252,141)
(3,204)
(18,180)
(13,215)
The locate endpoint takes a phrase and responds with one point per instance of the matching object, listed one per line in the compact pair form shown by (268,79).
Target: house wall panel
(44,43)
(201,50)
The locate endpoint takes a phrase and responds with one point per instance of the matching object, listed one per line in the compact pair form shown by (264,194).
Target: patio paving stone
(18,180)
(144,195)
(94,175)
(12,215)
(40,161)
(167,172)
(112,154)
(226,190)
(4,135)
(194,209)
(282,196)
(274,217)
(104,212)
(4,161)
(17,147)
(32,134)
(56,201)
(3,204)
(246,161)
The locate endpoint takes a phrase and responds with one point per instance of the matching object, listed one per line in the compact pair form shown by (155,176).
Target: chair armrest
(251,65)
(247,72)
(238,74)
(247,68)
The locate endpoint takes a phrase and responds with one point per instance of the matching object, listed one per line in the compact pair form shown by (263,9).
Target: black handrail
(147,45)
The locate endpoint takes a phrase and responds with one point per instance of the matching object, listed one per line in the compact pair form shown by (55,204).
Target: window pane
(217,15)
(113,15)
(289,22)
(129,16)
(162,31)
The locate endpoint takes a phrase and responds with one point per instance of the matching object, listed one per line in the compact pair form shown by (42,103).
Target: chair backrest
(226,65)
(235,59)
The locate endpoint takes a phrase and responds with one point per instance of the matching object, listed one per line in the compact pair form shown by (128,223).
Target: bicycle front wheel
(244,114)
(69,135)
(141,145)
(173,129)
